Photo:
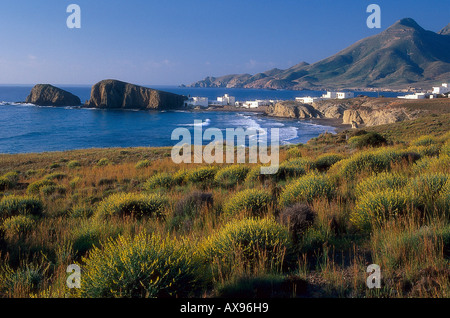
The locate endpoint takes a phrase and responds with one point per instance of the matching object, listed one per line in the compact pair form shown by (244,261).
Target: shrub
(20,205)
(137,205)
(325,161)
(428,186)
(35,187)
(9,180)
(179,177)
(445,149)
(425,140)
(103,162)
(189,208)
(81,211)
(294,168)
(89,234)
(56,176)
(73,164)
(18,225)
(73,183)
(370,139)
(298,218)
(146,266)
(379,182)
(202,175)
(428,150)
(26,279)
(436,164)
(250,200)
(371,161)
(444,198)
(250,242)
(159,180)
(293,152)
(306,189)
(142,164)
(52,189)
(376,207)
(232,175)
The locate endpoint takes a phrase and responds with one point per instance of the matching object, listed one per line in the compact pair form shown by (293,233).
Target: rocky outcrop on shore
(117,94)
(48,95)
(361,111)
(292,109)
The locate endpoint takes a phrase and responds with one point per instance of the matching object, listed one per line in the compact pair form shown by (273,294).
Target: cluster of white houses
(437,90)
(228,100)
(328,95)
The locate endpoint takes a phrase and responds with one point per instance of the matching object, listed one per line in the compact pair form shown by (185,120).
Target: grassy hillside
(141,226)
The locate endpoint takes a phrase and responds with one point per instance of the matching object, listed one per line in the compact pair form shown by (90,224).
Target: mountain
(403,55)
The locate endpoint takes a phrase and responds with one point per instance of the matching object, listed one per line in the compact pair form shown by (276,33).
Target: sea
(26,128)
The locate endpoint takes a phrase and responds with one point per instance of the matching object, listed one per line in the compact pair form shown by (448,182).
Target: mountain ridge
(403,55)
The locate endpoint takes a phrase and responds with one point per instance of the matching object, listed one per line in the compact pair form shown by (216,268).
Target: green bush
(179,177)
(18,225)
(52,189)
(376,207)
(425,150)
(146,266)
(445,149)
(159,180)
(249,242)
(142,164)
(428,186)
(435,164)
(293,152)
(306,189)
(35,187)
(444,198)
(294,168)
(20,205)
(9,180)
(372,161)
(381,181)
(81,211)
(232,175)
(370,139)
(56,176)
(73,164)
(28,278)
(325,161)
(103,162)
(89,234)
(250,200)
(137,205)
(425,140)
(203,175)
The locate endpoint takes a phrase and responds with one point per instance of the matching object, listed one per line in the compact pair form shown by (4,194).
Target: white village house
(338,95)
(226,100)
(196,101)
(413,96)
(444,88)
(308,99)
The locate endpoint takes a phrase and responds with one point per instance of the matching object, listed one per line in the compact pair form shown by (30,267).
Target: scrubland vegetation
(141,226)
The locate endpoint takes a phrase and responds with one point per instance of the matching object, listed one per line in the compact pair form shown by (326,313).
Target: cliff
(48,95)
(117,94)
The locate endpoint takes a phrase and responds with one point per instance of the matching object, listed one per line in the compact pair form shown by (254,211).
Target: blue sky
(169,42)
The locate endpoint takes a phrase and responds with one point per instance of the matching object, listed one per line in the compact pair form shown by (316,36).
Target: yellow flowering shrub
(250,200)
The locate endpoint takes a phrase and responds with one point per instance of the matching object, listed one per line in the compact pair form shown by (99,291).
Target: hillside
(403,55)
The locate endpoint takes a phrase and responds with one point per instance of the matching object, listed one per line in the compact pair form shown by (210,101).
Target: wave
(206,123)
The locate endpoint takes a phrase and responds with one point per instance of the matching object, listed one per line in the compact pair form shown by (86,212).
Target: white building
(338,95)
(413,96)
(444,88)
(196,101)
(255,103)
(343,95)
(226,100)
(307,99)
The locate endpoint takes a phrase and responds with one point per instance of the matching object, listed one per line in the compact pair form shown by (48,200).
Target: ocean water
(26,128)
